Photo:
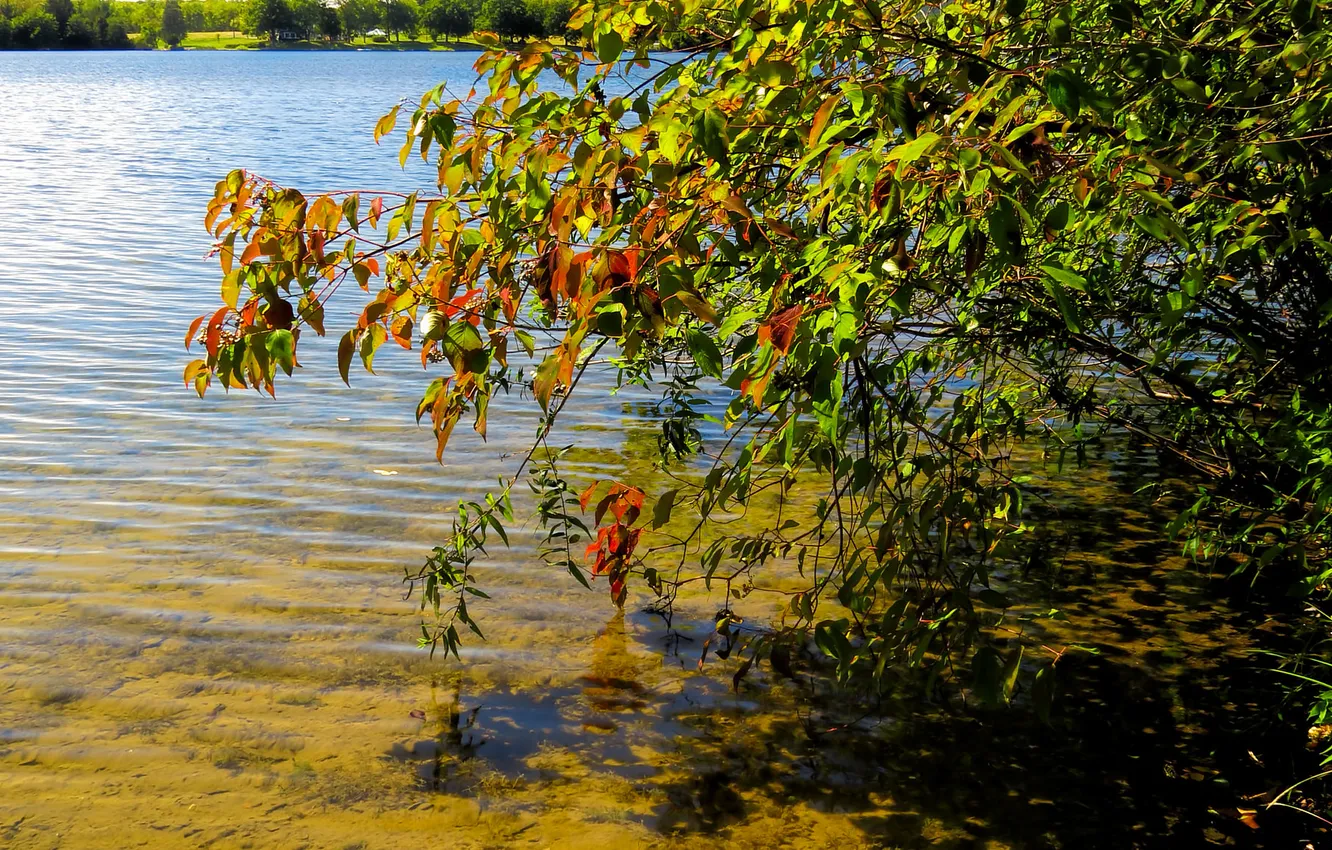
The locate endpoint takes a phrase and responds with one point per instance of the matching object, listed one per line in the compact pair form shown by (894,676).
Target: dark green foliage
(447,18)
(555,15)
(78,34)
(268,17)
(35,29)
(173,23)
(400,17)
(511,19)
(306,17)
(359,16)
(62,11)
(330,23)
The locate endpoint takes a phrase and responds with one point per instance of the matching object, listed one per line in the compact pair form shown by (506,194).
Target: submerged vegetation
(881,263)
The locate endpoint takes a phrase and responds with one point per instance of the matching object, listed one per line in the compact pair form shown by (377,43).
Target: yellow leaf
(698,307)
(385,125)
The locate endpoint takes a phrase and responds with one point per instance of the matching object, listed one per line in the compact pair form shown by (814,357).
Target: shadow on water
(1163,734)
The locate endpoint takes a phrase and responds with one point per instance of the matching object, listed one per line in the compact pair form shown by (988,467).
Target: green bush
(34,29)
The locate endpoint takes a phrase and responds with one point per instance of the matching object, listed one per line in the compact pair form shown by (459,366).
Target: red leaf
(623,267)
(779,329)
(247,313)
(279,315)
(214,338)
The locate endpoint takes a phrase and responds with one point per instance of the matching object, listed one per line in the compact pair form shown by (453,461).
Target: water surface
(204,638)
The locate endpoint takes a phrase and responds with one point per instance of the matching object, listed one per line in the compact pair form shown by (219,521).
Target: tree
(148,33)
(448,18)
(116,36)
(900,252)
(330,24)
(173,24)
(359,16)
(400,16)
(306,16)
(268,17)
(62,11)
(79,34)
(6,32)
(555,17)
(513,20)
(34,29)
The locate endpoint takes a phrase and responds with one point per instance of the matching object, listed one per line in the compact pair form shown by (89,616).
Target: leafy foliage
(173,23)
(900,244)
(449,18)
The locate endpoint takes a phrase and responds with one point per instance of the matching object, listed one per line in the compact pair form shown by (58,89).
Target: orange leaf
(251,252)
(821,118)
(194,329)
(402,331)
(586,495)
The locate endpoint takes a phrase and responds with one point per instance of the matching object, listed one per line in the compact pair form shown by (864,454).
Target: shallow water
(204,637)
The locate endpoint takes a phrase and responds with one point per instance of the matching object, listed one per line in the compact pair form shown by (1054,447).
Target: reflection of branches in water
(455,738)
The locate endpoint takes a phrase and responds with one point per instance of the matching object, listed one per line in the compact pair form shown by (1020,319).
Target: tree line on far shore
(85,24)
(392,19)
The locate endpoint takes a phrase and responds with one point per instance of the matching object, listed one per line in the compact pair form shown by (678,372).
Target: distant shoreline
(338,48)
(257,47)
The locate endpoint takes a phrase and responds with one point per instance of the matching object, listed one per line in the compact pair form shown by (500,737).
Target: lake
(204,635)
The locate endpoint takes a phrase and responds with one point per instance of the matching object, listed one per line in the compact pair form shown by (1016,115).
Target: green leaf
(610,46)
(705,352)
(1067,308)
(281,346)
(543,382)
(527,341)
(346,347)
(913,150)
(1011,668)
(1190,89)
(373,337)
(1064,89)
(611,323)
(1043,693)
(1006,229)
(1066,277)
(661,512)
(1152,226)
(710,134)
(775,73)
(1058,216)
(350,209)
